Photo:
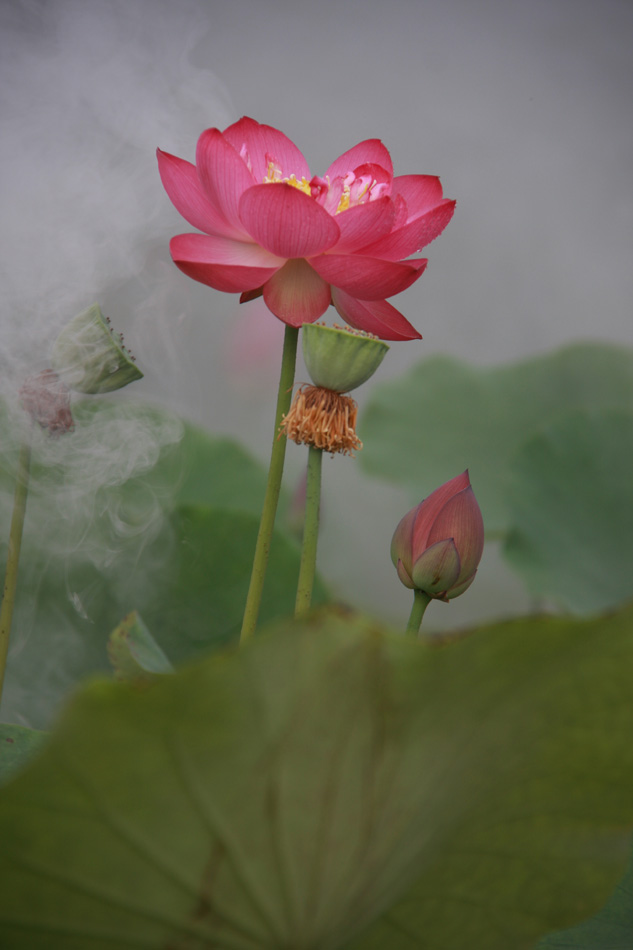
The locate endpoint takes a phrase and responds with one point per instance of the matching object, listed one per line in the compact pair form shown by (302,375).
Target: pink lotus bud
(437,546)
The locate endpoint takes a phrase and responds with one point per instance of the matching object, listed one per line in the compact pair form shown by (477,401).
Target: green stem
(13,555)
(420,602)
(310,532)
(273,487)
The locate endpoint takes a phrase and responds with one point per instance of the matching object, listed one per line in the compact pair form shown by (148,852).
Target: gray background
(521,106)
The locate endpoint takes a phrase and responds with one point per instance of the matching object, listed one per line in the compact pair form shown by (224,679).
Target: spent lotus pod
(337,360)
(437,546)
(90,357)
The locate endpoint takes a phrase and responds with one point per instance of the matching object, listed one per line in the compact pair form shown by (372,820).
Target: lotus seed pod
(340,359)
(90,357)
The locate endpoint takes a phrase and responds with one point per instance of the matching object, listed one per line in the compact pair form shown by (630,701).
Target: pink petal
(223,174)
(370,151)
(367,278)
(460,519)
(421,192)
(369,221)
(214,249)
(263,144)
(221,263)
(296,294)
(401,542)
(415,235)
(429,509)
(376,173)
(373,316)
(181,182)
(286,221)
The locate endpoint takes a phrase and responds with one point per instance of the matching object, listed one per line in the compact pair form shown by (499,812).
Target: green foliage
(610,929)
(287,794)
(133,652)
(571,510)
(17,745)
(445,416)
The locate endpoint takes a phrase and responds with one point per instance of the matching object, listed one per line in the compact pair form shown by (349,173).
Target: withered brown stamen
(324,419)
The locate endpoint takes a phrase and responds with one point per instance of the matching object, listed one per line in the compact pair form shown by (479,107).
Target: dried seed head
(324,419)
(47,401)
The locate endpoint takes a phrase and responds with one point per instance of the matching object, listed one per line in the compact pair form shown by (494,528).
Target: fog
(523,109)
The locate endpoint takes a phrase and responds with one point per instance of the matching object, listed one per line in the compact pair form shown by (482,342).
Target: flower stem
(310,532)
(420,602)
(273,487)
(13,556)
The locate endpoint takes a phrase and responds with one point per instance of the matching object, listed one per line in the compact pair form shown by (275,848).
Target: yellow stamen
(273,177)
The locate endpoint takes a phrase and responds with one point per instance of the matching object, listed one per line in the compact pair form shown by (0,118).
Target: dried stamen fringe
(324,419)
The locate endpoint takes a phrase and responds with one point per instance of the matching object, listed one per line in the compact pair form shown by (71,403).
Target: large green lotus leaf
(445,416)
(285,794)
(571,507)
(610,929)
(17,745)
(545,832)
(189,585)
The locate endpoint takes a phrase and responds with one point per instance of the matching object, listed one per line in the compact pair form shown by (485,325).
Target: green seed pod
(338,359)
(90,357)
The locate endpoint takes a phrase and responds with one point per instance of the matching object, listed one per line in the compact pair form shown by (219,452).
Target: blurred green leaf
(445,416)
(571,507)
(199,595)
(133,652)
(286,793)
(610,929)
(17,745)
(540,786)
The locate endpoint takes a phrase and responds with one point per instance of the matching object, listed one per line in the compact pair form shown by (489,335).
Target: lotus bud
(437,546)
(90,357)
(337,360)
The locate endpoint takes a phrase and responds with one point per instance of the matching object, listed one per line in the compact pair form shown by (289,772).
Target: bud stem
(310,532)
(420,602)
(13,557)
(273,487)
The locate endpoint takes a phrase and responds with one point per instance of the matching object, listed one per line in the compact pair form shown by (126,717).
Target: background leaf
(133,652)
(610,929)
(571,508)
(17,745)
(445,416)
(283,795)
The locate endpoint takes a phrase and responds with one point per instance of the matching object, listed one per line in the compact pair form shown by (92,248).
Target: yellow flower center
(273,177)
(356,189)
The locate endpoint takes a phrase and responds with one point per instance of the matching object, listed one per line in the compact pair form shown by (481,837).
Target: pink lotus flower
(437,546)
(304,242)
